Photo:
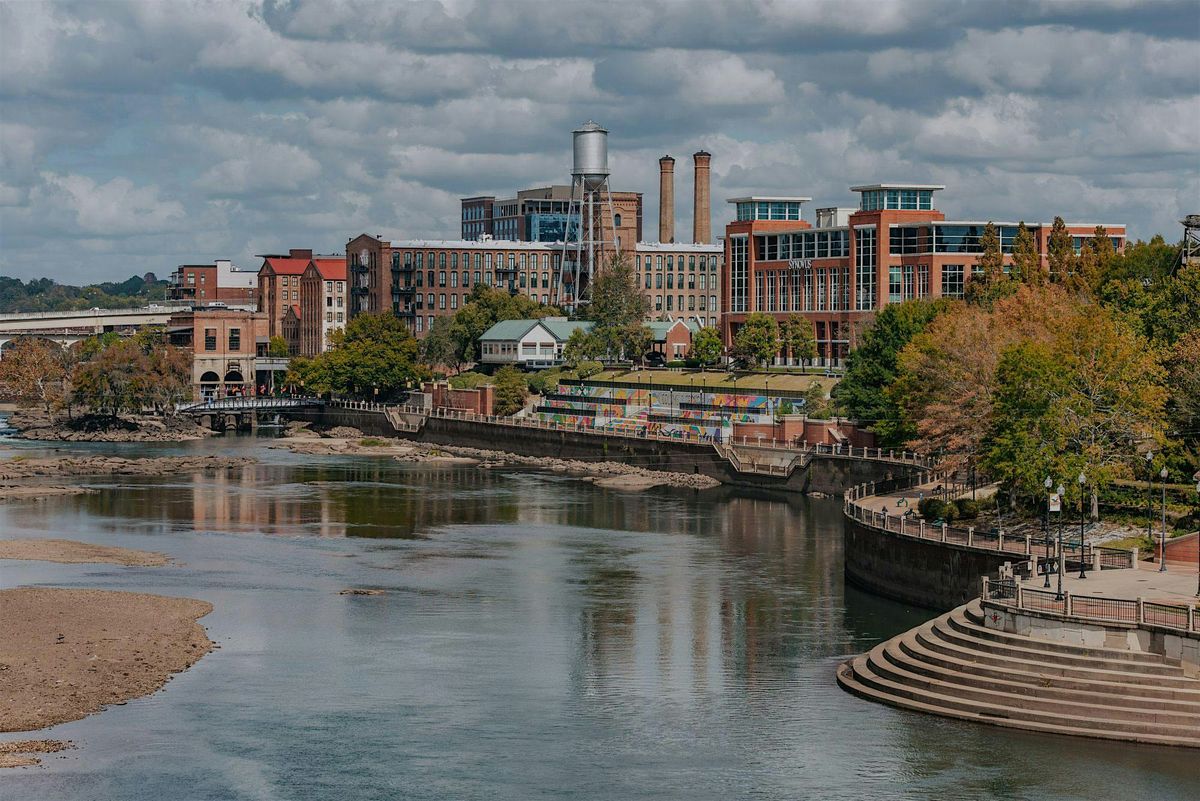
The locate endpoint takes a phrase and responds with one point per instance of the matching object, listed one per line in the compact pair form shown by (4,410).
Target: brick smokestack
(666,199)
(702,203)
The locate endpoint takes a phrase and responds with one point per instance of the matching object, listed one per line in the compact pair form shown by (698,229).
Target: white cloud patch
(152,133)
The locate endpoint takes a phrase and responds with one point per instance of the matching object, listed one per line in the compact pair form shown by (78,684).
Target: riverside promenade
(1114,655)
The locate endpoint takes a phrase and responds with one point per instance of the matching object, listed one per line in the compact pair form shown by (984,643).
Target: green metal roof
(509,330)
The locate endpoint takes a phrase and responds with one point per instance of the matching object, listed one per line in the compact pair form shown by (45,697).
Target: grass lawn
(717,379)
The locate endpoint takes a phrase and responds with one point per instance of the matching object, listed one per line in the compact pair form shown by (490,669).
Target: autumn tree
(707,346)
(1060,252)
(871,367)
(989,283)
(1092,265)
(1027,263)
(34,372)
(797,337)
(757,341)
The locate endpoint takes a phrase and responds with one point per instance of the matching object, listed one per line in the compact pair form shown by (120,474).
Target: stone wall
(924,573)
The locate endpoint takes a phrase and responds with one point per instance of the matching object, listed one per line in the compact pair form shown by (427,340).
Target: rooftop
(768,199)
(877,187)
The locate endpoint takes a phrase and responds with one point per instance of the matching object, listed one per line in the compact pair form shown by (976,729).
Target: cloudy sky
(136,136)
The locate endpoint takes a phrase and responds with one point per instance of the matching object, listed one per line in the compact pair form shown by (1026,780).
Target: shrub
(931,508)
(469,380)
(676,363)
(589,369)
(967,508)
(544,381)
(372,442)
(949,512)
(511,391)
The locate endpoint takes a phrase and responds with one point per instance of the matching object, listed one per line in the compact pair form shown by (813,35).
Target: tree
(1183,387)
(757,341)
(375,355)
(871,367)
(816,403)
(580,347)
(707,346)
(441,347)
(34,371)
(1094,262)
(634,340)
(797,337)
(1060,252)
(277,347)
(132,374)
(1027,263)
(485,307)
(617,301)
(990,283)
(511,391)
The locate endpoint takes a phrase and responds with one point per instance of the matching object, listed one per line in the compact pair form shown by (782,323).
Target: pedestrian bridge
(247,404)
(94,320)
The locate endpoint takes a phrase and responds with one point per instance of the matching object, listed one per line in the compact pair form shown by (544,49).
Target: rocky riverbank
(611,475)
(35,424)
(20,467)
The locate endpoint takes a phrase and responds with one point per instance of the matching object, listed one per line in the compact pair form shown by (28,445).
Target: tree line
(1081,369)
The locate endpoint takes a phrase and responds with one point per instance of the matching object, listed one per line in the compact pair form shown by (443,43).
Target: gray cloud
(139,135)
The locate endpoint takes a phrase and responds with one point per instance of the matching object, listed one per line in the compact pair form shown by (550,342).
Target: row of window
(768,210)
(235,339)
(675,303)
(807,289)
(803,245)
(657,280)
(483,261)
(899,199)
(671,262)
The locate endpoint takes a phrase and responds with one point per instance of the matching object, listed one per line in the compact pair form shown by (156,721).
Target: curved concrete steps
(955,667)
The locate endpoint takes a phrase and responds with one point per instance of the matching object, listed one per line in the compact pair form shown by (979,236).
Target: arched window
(616,221)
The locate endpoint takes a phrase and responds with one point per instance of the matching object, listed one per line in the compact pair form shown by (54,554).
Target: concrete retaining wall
(826,473)
(1096,634)
(924,573)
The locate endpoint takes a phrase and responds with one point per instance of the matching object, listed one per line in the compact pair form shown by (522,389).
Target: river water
(538,638)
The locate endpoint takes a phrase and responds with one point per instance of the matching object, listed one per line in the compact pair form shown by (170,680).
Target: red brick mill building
(893,247)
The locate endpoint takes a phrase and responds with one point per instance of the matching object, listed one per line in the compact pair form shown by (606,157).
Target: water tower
(587,239)
(1190,252)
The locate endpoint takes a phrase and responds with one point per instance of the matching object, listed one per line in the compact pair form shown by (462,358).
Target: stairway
(955,667)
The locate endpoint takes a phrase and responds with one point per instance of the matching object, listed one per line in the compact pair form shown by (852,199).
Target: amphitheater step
(955,667)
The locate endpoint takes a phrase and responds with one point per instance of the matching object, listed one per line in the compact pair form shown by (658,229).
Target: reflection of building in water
(747,586)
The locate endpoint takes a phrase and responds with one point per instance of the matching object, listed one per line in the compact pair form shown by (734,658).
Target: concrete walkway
(1176,585)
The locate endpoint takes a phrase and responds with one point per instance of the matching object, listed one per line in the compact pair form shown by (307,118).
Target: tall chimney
(666,199)
(702,204)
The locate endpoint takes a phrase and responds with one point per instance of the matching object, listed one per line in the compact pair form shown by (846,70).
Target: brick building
(540,215)
(219,282)
(225,345)
(279,285)
(323,303)
(422,280)
(894,246)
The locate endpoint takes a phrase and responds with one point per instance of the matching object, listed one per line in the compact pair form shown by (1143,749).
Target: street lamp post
(1150,497)
(1162,551)
(1058,560)
(1082,560)
(1048,483)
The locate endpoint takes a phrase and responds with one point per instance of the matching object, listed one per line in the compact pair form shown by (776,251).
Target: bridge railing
(247,404)
(1015,595)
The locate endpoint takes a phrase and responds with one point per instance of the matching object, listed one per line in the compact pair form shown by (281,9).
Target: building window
(235,339)
(738,273)
(864,267)
(895,284)
(658,302)
(210,339)
(329,317)
(616,221)
(952,280)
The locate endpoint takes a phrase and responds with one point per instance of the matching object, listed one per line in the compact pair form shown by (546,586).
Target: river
(537,638)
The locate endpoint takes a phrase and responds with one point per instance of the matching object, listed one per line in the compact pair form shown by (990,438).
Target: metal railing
(247,404)
(1011,593)
(910,525)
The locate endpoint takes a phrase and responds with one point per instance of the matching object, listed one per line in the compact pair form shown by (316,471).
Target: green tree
(816,402)
(797,337)
(277,347)
(757,341)
(1094,262)
(634,340)
(1060,252)
(617,301)
(871,367)
(374,356)
(511,391)
(441,346)
(581,346)
(485,307)
(707,346)
(990,283)
(1027,263)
